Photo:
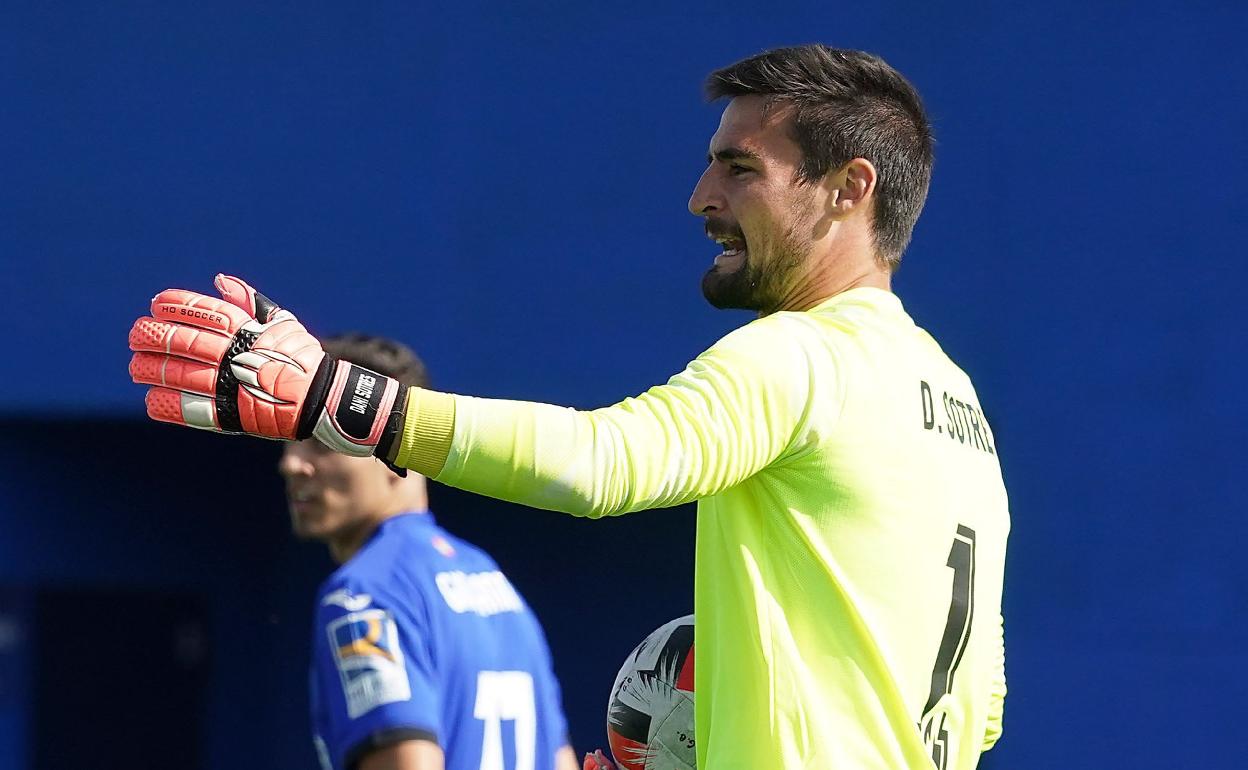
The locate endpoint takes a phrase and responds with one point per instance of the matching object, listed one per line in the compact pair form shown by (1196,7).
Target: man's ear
(850,187)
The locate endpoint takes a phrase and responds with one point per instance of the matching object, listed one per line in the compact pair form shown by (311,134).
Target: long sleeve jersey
(851,535)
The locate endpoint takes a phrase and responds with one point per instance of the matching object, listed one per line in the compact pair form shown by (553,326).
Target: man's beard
(735,290)
(749,287)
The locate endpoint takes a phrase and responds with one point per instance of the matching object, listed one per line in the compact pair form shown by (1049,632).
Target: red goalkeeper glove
(244,365)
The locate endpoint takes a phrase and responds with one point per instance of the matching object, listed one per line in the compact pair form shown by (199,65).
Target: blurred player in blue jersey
(424,655)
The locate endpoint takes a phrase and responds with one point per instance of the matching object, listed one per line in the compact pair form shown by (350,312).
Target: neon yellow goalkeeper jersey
(852,524)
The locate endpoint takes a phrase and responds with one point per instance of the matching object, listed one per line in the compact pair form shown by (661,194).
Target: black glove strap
(318,391)
(393,432)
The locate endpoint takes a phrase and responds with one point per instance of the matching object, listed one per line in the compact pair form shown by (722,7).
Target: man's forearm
(428,429)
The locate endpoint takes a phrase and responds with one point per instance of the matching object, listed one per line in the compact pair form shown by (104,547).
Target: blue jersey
(420,635)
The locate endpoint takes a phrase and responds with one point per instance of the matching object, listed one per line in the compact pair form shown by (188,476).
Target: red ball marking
(684,680)
(624,750)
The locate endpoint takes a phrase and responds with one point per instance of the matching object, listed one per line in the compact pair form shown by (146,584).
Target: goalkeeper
(852,519)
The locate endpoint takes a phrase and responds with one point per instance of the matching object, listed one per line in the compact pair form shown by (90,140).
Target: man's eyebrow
(730,154)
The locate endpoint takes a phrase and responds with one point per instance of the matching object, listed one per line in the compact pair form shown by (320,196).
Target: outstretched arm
(734,410)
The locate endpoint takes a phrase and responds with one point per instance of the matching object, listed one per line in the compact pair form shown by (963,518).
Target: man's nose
(705,198)
(293,463)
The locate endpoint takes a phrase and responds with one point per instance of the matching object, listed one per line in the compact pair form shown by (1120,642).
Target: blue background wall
(502,185)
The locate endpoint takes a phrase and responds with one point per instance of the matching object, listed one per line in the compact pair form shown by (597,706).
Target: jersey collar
(862,295)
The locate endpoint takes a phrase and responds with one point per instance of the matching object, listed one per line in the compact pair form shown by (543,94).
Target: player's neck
(409,496)
(346,545)
(830,278)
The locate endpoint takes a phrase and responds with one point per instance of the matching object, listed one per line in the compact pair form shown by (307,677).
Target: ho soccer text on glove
(241,364)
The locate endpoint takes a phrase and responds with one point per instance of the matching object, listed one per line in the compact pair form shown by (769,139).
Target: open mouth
(734,251)
(300,500)
(733,245)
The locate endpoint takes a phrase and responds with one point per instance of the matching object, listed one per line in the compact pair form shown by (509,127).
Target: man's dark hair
(381,354)
(847,104)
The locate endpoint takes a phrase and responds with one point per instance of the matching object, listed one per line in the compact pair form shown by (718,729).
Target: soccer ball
(650,715)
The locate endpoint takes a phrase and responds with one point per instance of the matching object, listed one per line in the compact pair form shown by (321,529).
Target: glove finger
(597,761)
(200,310)
(173,372)
(153,336)
(238,292)
(181,408)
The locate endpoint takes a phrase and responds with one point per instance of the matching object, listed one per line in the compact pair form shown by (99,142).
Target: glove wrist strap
(318,392)
(357,409)
(392,433)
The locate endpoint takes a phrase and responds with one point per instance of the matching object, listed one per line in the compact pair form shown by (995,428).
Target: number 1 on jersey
(952,643)
(506,695)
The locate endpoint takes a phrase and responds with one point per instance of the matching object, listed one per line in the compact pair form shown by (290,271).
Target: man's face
(755,207)
(329,494)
